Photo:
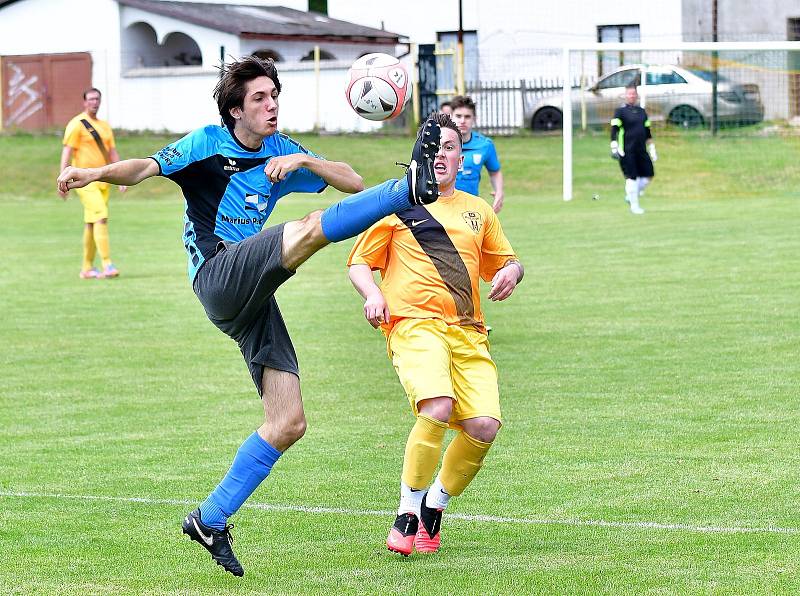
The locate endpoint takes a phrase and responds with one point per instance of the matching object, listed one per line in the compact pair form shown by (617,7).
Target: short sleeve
(176,156)
(371,247)
(496,250)
(302,180)
(72,134)
(492,161)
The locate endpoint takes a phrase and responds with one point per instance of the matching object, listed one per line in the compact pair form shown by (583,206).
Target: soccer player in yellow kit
(89,143)
(431,259)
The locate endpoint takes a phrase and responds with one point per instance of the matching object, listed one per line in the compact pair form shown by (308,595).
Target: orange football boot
(429,535)
(401,536)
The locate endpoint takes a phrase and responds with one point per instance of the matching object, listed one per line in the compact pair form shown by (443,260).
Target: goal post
(681,84)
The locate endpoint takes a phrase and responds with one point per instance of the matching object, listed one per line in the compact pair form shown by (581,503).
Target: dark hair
(230,89)
(462,101)
(88,91)
(444,121)
(445,104)
(632,85)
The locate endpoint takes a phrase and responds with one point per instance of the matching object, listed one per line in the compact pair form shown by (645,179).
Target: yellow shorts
(94,198)
(434,359)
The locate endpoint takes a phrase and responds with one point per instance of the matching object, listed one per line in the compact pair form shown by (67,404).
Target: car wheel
(547,119)
(685,117)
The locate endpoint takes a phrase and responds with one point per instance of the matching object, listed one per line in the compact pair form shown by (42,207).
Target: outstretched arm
(335,173)
(376,311)
(124,173)
(114,156)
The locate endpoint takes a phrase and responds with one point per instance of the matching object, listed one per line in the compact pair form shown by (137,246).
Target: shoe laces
(227,532)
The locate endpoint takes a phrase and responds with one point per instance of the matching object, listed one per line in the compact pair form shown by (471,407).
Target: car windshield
(707,75)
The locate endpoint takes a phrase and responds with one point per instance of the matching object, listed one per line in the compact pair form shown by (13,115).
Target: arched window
(181,50)
(142,50)
(268,55)
(323,55)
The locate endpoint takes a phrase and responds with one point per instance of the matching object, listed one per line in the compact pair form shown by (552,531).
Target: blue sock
(356,213)
(251,465)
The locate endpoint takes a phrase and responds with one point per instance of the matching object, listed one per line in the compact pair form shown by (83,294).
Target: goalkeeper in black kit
(631,142)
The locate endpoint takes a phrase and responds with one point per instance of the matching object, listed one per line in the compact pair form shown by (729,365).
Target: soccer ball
(378,87)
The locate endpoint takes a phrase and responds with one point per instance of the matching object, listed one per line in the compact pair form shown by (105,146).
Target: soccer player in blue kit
(478,151)
(231,177)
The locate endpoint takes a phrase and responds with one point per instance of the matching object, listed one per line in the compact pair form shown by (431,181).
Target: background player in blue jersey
(631,142)
(231,177)
(478,151)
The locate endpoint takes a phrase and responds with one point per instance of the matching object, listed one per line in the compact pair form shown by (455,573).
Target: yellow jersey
(85,152)
(431,258)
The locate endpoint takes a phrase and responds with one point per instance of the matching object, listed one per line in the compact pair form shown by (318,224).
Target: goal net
(736,105)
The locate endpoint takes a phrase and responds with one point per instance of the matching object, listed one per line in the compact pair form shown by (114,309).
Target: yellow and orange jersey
(86,153)
(431,258)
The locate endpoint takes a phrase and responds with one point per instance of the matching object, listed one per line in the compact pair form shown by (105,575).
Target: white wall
(169,102)
(181,103)
(512,33)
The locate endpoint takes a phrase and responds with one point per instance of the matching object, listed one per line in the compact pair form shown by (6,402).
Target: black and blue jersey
(228,197)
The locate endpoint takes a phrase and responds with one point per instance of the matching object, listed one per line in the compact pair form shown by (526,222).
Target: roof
(274,22)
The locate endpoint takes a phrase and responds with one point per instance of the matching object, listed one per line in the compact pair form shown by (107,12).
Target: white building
(156,61)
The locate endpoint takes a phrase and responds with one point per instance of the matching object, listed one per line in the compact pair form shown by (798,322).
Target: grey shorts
(236,287)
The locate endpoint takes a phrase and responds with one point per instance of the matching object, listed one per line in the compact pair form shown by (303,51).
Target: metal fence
(503,107)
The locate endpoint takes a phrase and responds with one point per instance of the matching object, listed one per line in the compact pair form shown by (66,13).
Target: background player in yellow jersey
(431,259)
(89,143)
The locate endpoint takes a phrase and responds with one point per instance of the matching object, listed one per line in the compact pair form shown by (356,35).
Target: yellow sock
(88,249)
(462,460)
(101,240)
(423,449)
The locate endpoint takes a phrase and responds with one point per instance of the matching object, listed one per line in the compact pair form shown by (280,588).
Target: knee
(301,239)
(439,408)
(483,428)
(310,228)
(292,428)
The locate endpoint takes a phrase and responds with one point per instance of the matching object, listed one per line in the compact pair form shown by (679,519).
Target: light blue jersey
(479,151)
(228,197)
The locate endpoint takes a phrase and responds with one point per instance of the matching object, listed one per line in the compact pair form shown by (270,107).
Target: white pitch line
(459,516)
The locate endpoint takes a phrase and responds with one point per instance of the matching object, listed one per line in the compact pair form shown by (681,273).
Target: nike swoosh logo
(414,224)
(209,540)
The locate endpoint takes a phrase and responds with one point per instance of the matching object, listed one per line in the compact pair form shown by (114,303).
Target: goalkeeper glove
(651,149)
(616,150)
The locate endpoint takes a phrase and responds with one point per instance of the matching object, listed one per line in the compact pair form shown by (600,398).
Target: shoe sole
(399,552)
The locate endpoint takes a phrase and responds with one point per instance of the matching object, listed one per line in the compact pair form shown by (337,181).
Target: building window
(609,61)
(142,50)
(268,55)
(323,55)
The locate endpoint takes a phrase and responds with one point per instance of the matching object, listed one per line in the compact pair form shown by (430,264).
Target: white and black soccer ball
(378,87)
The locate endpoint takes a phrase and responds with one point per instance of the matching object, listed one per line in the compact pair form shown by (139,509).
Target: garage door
(43,90)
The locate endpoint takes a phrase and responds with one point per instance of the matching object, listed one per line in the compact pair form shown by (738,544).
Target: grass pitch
(649,378)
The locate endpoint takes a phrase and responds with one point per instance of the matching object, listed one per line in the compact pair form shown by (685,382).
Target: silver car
(672,94)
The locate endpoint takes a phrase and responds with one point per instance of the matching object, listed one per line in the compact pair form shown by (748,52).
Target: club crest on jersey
(474,220)
(476,158)
(256,202)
